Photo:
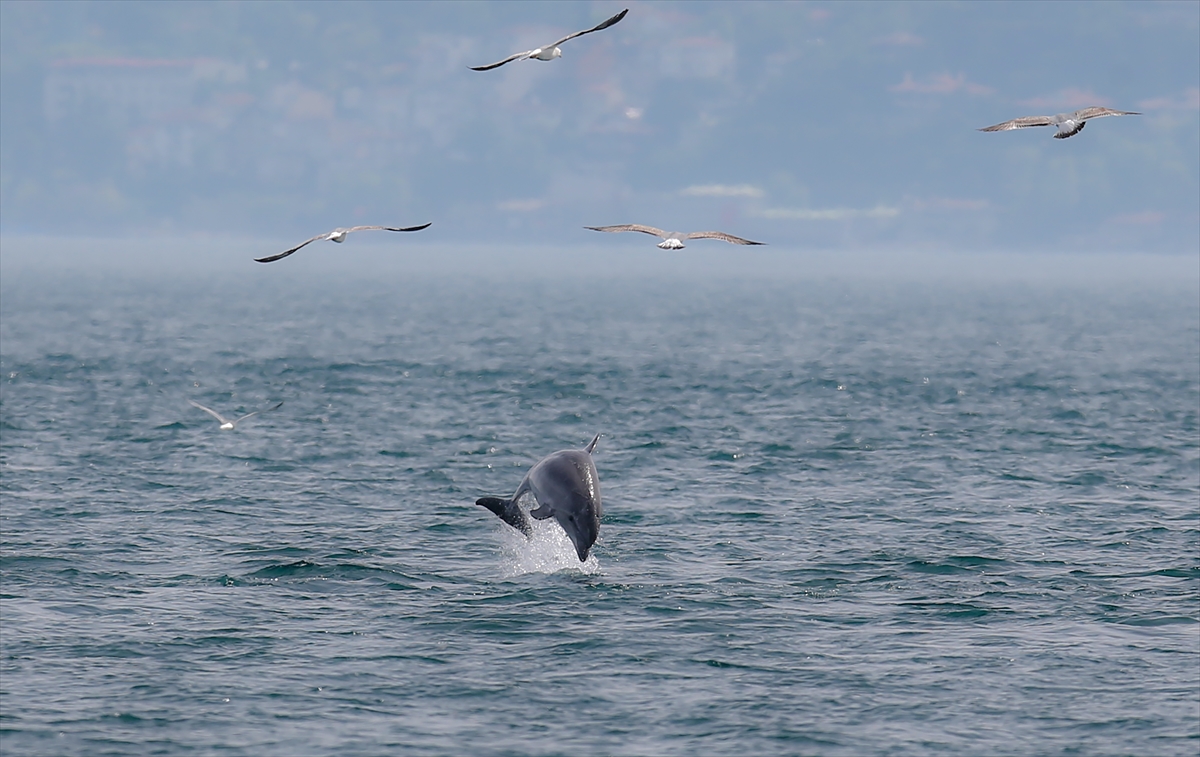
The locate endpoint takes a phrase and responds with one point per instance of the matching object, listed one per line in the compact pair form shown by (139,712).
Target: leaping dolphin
(567,487)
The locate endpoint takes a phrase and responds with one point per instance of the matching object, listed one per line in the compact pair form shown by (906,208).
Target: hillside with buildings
(808,123)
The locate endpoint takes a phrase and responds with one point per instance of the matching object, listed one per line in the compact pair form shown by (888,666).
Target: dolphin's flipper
(507,511)
(542,512)
(588,449)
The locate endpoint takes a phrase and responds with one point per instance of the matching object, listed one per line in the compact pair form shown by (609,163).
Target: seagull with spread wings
(550,52)
(337,235)
(1069,124)
(673,240)
(226,424)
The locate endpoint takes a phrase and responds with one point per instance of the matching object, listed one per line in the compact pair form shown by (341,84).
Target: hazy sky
(813,125)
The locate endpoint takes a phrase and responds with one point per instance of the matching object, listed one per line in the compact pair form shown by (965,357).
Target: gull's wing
(720,235)
(285,253)
(326,235)
(1021,123)
(256,412)
(604,25)
(388,228)
(211,412)
(631,227)
(529,53)
(498,64)
(1086,113)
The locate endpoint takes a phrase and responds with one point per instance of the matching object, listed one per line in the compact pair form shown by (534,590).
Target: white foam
(549,551)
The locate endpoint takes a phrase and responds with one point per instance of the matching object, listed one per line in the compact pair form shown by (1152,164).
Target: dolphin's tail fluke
(507,511)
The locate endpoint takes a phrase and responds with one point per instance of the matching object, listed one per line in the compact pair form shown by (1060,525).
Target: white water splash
(549,551)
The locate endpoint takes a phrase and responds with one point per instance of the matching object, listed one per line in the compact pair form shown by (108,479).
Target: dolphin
(567,488)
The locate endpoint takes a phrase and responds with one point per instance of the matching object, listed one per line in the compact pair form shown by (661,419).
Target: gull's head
(550,54)
(338,235)
(671,244)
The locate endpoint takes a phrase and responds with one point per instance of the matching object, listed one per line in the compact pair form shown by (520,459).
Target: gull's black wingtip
(279,256)
(409,228)
(614,19)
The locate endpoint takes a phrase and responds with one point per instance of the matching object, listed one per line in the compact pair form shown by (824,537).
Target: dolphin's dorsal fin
(588,449)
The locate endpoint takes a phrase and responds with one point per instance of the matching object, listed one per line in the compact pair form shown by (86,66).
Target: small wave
(298,568)
(397,453)
(936,568)
(309,570)
(1160,620)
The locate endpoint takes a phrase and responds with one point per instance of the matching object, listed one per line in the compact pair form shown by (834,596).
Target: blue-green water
(841,518)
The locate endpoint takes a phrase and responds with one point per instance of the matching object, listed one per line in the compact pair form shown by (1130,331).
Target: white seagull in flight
(226,424)
(550,52)
(337,235)
(1069,124)
(674,240)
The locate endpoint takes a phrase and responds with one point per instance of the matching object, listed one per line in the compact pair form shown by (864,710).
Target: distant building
(140,112)
(118,91)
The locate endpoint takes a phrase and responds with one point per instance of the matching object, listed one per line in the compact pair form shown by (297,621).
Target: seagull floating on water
(550,52)
(226,424)
(673,240)
(1068,124)
(337,235)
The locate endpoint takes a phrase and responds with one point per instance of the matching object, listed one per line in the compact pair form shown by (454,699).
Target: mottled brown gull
(1068,124)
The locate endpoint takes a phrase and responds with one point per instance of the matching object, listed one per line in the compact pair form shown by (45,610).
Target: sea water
(841,517)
